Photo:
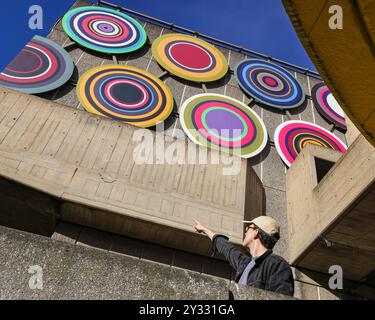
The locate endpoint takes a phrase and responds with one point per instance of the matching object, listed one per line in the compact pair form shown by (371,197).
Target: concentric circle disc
(125,93)
(189,57)
(41,66)
(292,136)
(104,30)
(269,84)
(224,124)
(327,105)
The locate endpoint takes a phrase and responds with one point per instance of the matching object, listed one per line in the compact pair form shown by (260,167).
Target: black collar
(260,259)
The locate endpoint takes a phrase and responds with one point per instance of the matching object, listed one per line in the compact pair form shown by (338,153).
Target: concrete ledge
(27,209)
(74,272)
(240,292)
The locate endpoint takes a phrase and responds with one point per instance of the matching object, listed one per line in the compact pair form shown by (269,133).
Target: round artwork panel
(291,136)
(125,93)
(327,105)
(189,57)
(41,66)
(223,123)
(269,84)
(104,30)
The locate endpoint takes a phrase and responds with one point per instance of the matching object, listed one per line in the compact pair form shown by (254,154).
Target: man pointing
(261,268)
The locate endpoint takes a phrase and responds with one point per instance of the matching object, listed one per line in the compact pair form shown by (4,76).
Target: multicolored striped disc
(291,136)
(125,93)
(223,123)
(189,57)
(327,105)
(104,30)
(269,84)
(41,66)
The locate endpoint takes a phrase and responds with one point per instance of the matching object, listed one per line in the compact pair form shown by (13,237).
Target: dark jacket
(271,272)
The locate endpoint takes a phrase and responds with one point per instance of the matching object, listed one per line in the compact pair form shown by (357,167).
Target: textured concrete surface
(240,292)
(57,148)
(26,208)
(76,272)
(88,237)
(305,291)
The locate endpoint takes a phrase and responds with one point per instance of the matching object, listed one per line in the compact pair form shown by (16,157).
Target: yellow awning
(345,58)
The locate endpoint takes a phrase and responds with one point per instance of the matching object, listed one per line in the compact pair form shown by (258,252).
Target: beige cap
(267,224)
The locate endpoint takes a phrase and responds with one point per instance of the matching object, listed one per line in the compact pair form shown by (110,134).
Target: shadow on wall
(350,291)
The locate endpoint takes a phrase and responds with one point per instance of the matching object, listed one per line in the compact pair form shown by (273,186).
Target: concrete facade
(86,169)
(268,165)
(338,225)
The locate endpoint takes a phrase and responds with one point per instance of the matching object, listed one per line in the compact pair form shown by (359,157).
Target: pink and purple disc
(291,136)
(223,123)
(41,66)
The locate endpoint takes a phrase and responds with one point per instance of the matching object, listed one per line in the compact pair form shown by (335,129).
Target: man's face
(251,232)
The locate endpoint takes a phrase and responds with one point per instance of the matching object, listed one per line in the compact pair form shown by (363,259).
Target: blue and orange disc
(269,84)
(125,93)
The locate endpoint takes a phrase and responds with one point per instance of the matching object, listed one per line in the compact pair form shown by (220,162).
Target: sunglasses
(250,226)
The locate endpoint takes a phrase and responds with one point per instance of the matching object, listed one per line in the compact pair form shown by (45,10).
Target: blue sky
(259,25)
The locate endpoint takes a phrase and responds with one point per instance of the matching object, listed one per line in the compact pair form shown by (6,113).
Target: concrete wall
(75,272)
(339,209)
(88,163)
